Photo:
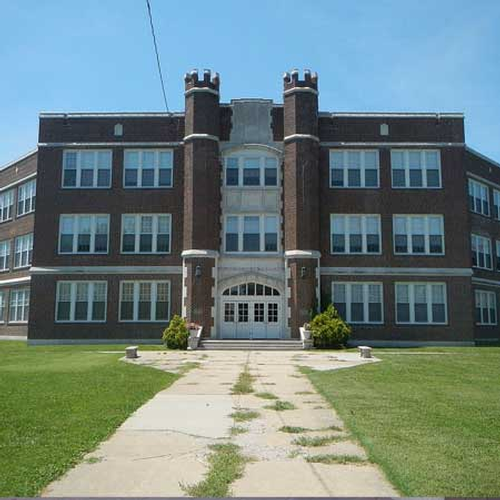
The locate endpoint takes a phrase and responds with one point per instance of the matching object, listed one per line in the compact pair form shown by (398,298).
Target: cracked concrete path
(164,444)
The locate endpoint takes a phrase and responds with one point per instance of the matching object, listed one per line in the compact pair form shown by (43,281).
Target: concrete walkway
(164,444)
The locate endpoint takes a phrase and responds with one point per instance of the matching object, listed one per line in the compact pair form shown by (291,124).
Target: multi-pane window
(2,306)
(479,198)
(486,307)
(496,204)
(255,170)
(87,168)
(421,303)
(146,233)
(148,168)
(251,233)
(481,252)
(23,250)
(81,301)
(144,301)
(26,196)
(418,234)
(4,255)
(354,168)
(498,254)
(83,234)
(415,168)
(358,302)
(19,305)
(6,205)
(356,234)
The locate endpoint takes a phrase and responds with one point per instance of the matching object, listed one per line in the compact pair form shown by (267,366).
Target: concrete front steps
(251,345)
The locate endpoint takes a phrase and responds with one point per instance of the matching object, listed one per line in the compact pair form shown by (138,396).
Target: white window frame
(26,194)
(485,298)
(409,234)
(486,244)
(261,156)
(423,163)
(156,168)
(478,190)
(496,204)
(366,302)
(6,205)
(137,234)
(364,234)
(25,242)
(3,308)
(94,168)
(411,300)
(362,169)
(154,294)
(262,233)
(16,302)
(90,301)
(93,231)
(5,248)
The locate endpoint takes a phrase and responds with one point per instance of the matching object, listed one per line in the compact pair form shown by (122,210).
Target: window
(255,170)
(148,168)
(481,252)
(251,289)
(23,250)
(146,233)
(144,301)
(356,234)
(358,302)
(498,254)
(81,301)
(496,204)
(419,234)
(421,303)
(83,234)
(251,233)
(87,168)
(416,168)
(19,305)
(486,308)
(479,198)
(26,196)
(4,255)
(354,169)
(2,306)
(6,204)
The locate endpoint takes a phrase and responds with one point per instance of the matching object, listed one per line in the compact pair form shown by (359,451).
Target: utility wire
(157,55)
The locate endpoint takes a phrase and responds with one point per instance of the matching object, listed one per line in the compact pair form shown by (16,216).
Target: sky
(370,55)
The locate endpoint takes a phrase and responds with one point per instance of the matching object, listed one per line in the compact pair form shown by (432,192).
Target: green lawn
(432,422)
(57,403)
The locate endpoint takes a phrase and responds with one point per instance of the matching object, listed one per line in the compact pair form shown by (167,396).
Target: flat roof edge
(483,157)
(153,114)
(17,160)
(390,115)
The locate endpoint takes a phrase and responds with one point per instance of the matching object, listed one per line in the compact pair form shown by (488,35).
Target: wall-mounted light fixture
(303,272)
(197,271)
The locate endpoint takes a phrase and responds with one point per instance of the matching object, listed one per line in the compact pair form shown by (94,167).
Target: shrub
(329,330)
(176,334)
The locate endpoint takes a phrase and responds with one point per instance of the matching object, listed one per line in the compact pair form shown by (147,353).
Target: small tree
(329,330)
(176,334)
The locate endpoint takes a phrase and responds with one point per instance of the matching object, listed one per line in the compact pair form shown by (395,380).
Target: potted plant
(193,328)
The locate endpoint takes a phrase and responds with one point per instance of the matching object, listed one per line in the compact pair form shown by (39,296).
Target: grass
(226,465)
(244,383)
(336,459)
(235,430)
(60,402)
(244,415)
(304,393)
(314,441)
(266,395)
(281,406)
(293,430)
(431,422)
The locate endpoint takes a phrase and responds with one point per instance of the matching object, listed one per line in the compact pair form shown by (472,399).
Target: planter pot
(307,334)
(193,332)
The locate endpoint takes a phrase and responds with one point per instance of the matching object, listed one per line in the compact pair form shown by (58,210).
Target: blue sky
(383,55)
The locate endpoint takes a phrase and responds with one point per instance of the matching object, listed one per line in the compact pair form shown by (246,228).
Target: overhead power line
(160,73)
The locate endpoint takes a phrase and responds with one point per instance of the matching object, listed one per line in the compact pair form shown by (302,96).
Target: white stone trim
(397,271)
(392,115)
(195,90)
(294,90)
(125,114)
(107,270)
(294,137)
(202,254)
(302,254)
(393,144)
(184,289)
(21,158)
(208,137)
(108,144)
(485,281)
(15,281)
(16,183)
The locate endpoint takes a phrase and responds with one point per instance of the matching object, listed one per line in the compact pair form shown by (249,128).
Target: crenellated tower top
(207,79)
(292,80)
